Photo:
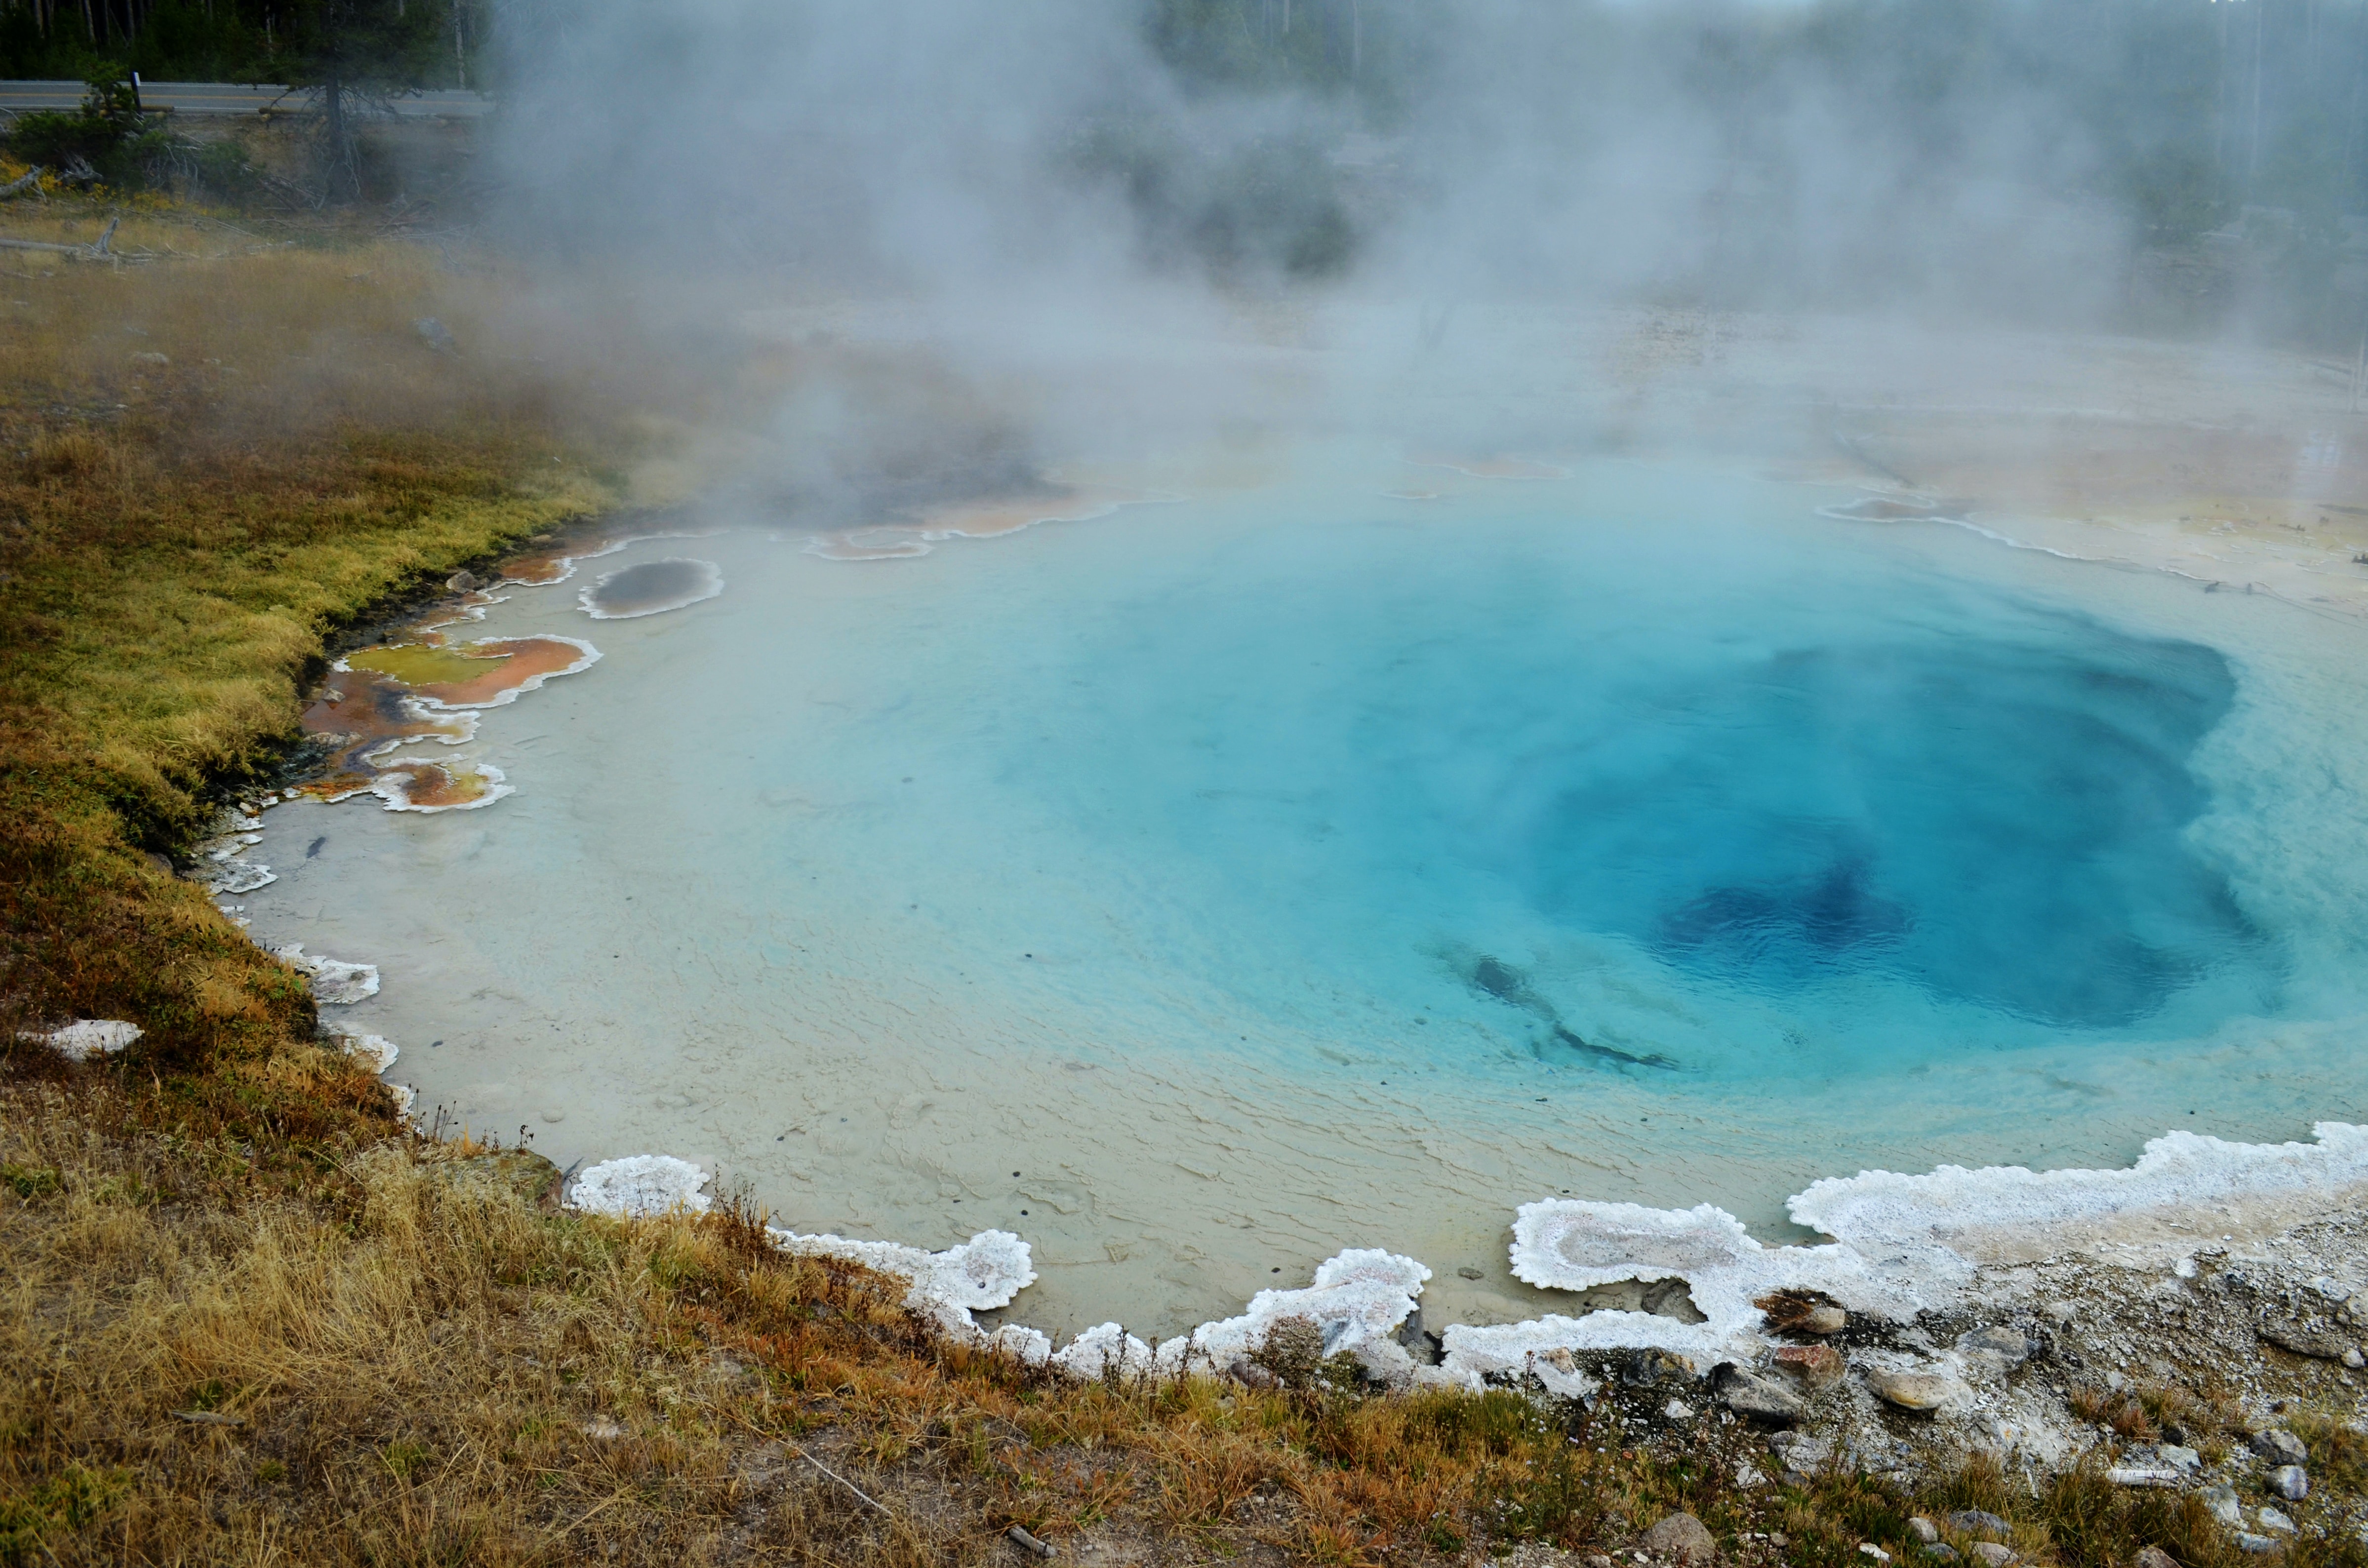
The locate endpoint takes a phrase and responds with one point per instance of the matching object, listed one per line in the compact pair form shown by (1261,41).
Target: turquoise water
(1791,800)
(1206,888)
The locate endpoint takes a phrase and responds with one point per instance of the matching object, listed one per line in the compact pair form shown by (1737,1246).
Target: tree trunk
(343,182)
(2253,153)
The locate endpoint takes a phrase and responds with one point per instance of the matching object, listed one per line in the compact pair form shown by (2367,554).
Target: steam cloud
(1049,187)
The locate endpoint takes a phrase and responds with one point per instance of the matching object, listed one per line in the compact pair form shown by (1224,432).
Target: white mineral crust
(335,981)
(86,1038)
(1359,1299)
(639,1185)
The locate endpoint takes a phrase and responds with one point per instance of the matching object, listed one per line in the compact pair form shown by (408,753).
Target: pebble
(2273,1520)
(1975,1522)
(1924,1529)
(1678,1410)
(1869,1549)
(1991,1552)
(2279,1446)
(2222,1503)
(1680,1535)
(2290,1482)
(1468,1272)
(2153,1557)
(2178,1457)
(2257,1544)
(1917,1391)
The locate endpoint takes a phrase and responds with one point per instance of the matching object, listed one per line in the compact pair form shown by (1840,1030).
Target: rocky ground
(2235,1375)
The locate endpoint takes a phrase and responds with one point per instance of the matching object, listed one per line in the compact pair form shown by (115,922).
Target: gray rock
(1760,1399)
(2290,1482)
(1924,1529)
(1974,1522)
(1991,1552)
(1468,1272)
(2304,1339)
(2153,1557)
(2273,1520)
(2279,1446)
(435,335)
(1917,1390)
(2178,1457)
(1822,1321)
(2257,1544)
(2004,1344)
(1680,1535)
(1644,1369)
(2222,1502)
(2143,1475)
(1249,1374)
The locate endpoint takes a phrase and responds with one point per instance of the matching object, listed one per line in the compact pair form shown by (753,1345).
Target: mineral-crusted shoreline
(2162,1355)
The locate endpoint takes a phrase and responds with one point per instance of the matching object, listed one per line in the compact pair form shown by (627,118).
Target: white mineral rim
(1904,1244)
(335,981)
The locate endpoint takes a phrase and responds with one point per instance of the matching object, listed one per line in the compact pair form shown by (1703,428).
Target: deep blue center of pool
(1998,822)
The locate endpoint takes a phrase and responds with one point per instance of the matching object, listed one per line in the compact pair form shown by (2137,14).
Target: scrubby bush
(108,141)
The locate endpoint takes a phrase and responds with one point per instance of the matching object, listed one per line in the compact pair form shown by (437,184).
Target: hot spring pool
(1203,889)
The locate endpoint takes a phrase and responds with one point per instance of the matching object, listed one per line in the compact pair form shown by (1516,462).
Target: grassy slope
(178,536)
(243,1317)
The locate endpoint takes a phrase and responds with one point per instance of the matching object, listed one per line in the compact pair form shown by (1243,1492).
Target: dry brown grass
(374,1349)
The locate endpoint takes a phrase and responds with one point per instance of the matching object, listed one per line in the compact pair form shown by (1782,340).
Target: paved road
(223,98)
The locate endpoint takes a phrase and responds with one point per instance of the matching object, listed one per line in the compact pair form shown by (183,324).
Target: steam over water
(1205,888)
